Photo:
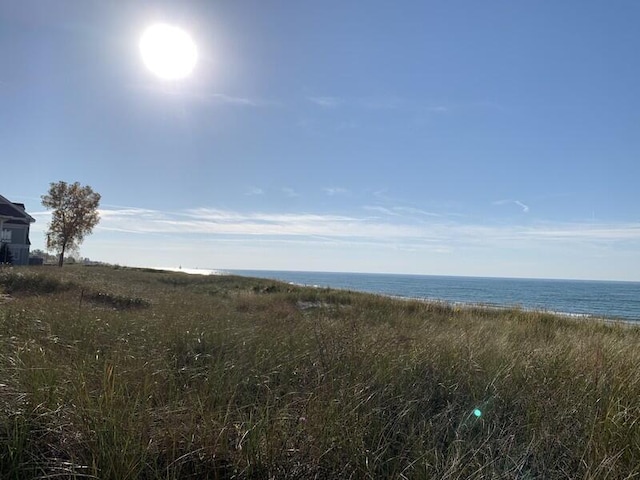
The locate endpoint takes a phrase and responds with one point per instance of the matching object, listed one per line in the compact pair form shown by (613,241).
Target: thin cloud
(289,192)
(326,102)
(223,222)
(207,97)
(416,211)
(379,209)
(228,222)
(242,101)
(369,103)
(525,208)
(254,191)
(586,231)
(333,191)
(400,211)
(399,231)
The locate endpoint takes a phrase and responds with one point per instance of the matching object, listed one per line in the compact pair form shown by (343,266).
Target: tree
(75,213)
(5,254)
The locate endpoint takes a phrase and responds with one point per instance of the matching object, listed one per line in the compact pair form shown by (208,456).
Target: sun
(168,51)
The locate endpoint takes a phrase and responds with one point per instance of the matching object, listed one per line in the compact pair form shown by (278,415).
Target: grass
(132,374)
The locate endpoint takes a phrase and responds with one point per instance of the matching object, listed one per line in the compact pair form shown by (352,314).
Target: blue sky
(491,138)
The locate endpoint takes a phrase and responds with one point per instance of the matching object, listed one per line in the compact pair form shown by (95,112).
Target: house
(14,230)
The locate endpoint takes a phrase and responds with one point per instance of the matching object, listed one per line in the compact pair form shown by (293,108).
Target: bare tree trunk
(61,259)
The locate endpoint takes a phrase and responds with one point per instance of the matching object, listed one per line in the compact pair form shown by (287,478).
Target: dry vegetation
(129,374)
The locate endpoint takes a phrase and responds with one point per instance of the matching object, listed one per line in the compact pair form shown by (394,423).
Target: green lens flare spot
(477,413)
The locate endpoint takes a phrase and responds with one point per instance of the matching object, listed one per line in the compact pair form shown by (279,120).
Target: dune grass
(130,374)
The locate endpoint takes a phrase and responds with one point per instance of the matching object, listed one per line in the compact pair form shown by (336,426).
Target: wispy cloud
(225,222)
(326,102)
(241,101)
(206,97)
(382,210)
(400,211)
(416,211)
(525,208)
(333,191)
(369,103)
(401,231)
(254,191)
(211,220)
(289,192)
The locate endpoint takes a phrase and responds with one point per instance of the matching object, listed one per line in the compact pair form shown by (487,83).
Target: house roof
(13,211)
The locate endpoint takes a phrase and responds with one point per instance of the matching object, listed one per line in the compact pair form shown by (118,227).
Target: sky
(492,138)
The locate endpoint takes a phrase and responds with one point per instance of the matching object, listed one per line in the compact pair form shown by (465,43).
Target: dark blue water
(576,297)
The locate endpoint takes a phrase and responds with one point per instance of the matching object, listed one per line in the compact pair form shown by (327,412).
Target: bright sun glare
(168,51)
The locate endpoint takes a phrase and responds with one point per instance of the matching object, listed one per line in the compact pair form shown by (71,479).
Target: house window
(5,236)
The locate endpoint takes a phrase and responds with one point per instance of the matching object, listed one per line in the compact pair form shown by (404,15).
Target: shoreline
(452,303)
(469,305)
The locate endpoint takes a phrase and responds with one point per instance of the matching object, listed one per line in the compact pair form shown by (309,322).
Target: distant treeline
(48,258)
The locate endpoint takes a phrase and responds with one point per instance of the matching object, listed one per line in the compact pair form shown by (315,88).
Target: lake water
(575,297)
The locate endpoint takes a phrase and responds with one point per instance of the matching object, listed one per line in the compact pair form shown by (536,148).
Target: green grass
(132,374)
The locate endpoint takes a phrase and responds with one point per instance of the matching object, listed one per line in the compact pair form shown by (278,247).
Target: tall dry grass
(176,376)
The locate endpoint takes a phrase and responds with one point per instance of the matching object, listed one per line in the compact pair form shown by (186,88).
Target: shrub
(13,282)
(119,302)
(5,254)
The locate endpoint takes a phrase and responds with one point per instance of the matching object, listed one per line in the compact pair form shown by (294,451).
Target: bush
(5,254)
(13,282)
(119,302)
